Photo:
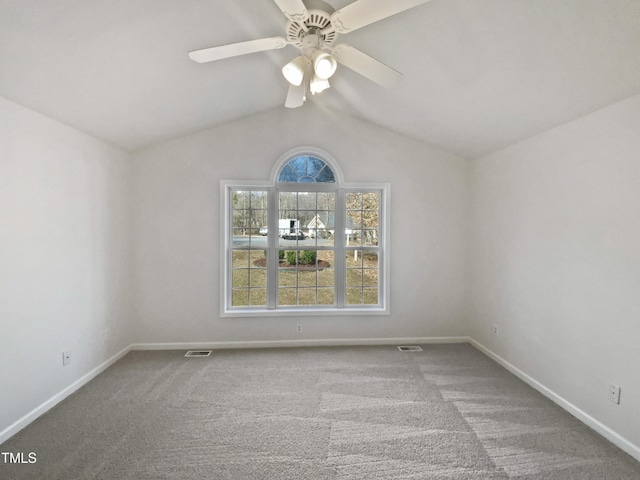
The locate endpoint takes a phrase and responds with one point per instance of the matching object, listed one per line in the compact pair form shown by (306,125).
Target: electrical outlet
(614,393)
(299,328)
(495,329)
(66,358)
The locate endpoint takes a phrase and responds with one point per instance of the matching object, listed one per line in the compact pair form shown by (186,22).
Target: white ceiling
(478,74)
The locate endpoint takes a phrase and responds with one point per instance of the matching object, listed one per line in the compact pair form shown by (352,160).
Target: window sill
(306,312)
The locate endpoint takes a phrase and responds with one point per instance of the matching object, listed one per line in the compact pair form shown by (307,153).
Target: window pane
(326,201)
(326,270)
(248,272)
(258,296)
(287,174)
(353,201)
(370,237)
(307,296)
(240,259)
(325,175)
(259,200)
(304,219)
(370,278)
(287,203)
(354,219)
(362,218)
(240,199)
(362,211)
(255,241)
(314,165)
(289,229)
(288,277)
(307,278)
(299,165)
(354,238)
(248,215)
(239,237)
(241,218)
(258,278)
(320,228)
(306,169)
(240,298)
(354,277)
(362,277)
(371,201)
(307,201)
(286,296)
(370,296)
(257,259)
(370,271)
(354,296)
(257,219)
(308,281)
(354,258)
(370,218)
(240,278)
(326,296)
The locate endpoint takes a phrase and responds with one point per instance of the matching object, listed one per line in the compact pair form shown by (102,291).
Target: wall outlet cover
(614,393)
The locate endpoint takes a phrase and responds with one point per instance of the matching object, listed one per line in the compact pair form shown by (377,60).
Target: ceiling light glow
(324,65)
(317,84)
(294,70)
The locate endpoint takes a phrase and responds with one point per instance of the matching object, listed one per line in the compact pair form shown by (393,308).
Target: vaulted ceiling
(478,74)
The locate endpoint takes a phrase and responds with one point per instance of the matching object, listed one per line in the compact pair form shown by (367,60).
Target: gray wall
(177,228)
(556,261)
(65,251)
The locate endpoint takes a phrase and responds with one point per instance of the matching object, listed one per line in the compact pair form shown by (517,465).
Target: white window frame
(273,187)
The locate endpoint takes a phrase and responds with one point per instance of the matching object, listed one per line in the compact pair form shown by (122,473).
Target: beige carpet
(447,412)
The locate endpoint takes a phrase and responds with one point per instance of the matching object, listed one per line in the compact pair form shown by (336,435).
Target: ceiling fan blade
(235,49)
(295,96)
(366,66)
(365,12)
(294,10)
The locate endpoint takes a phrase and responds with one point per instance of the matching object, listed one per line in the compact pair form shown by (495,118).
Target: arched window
(306,169)
(304,243)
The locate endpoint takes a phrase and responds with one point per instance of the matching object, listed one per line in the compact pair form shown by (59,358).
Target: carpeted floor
(447,412)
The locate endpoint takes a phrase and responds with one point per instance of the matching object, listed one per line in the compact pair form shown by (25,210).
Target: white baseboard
(333,342)
(584,417)
(57,398)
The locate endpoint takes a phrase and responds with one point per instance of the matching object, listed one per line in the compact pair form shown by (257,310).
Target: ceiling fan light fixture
(324,65)
(312,28)
(294,70)
(317,84)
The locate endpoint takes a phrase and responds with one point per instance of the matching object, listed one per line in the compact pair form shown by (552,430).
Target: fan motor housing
(317,21)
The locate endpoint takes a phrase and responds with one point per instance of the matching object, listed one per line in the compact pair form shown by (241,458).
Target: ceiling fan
(313,30)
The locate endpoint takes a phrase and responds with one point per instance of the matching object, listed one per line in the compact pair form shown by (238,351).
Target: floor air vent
(198,353)
(409,348)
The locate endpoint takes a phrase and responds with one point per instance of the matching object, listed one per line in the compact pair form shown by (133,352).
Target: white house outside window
(305,243)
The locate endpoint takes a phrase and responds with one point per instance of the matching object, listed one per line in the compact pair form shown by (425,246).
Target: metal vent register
(409,348)
(198,353)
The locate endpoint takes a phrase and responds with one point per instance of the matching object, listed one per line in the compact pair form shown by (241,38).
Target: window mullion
(340,252)
(272,250)
(228,242)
